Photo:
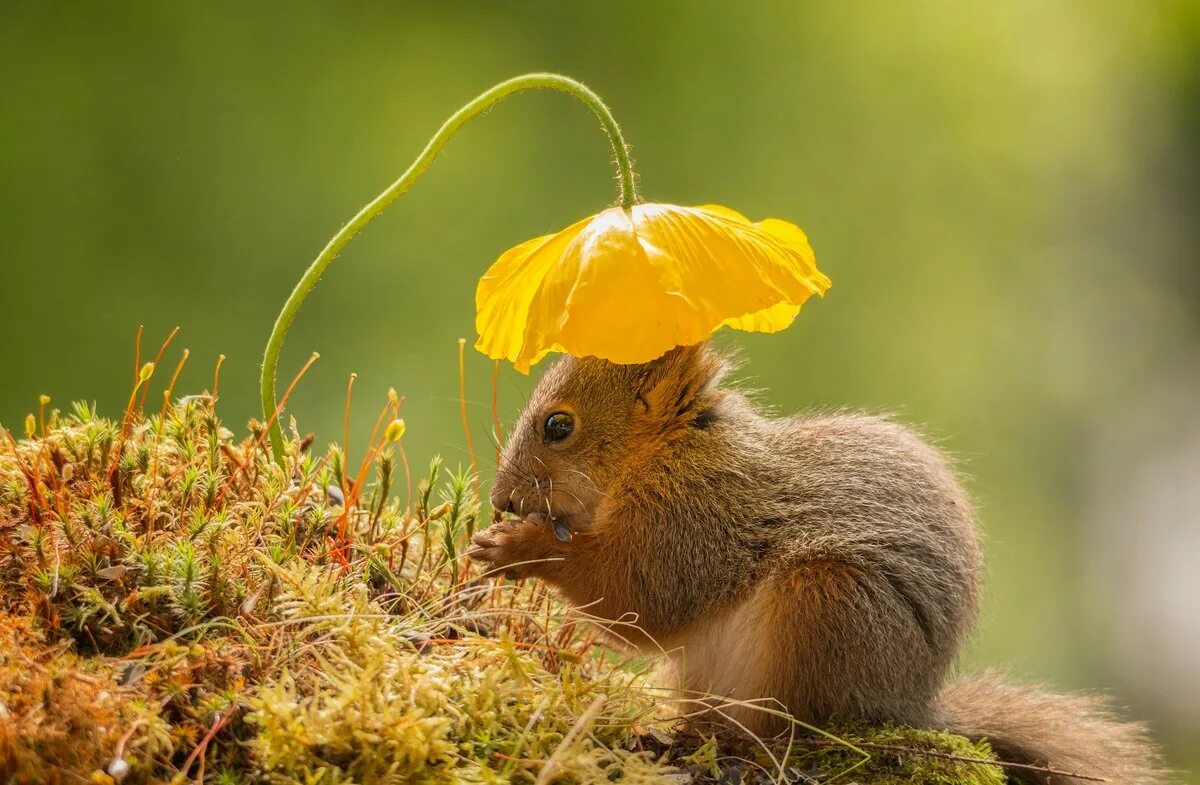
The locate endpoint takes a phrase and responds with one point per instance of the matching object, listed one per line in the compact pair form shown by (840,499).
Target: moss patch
(178,608)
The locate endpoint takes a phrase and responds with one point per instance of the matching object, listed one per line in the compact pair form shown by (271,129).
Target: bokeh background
(1005,195)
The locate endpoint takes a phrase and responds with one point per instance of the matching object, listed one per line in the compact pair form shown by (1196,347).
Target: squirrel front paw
(521,548)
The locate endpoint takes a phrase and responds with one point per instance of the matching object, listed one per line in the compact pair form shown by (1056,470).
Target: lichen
(177,608)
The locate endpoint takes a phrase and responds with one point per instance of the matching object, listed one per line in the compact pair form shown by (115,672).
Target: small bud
(44,399)
(440,511)
(393,396)
(395,430)
(68,472)
(146,372)
(30,426)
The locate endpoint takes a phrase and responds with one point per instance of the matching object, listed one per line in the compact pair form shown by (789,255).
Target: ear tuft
(679,387)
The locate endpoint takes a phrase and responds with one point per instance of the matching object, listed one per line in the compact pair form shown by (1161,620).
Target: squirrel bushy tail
(1069,733)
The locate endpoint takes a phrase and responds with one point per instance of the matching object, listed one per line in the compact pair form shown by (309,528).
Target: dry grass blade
(581,726)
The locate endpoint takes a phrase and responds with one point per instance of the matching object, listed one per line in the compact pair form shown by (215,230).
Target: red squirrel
(827,563)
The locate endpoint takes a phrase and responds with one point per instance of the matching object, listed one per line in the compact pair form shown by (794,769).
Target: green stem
(460,118)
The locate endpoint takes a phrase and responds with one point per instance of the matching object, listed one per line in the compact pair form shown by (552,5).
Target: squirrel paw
(521,548)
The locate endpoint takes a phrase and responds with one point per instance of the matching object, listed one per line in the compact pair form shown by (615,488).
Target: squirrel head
(588,420)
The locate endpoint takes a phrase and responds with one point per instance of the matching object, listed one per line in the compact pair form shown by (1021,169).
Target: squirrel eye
(558,426)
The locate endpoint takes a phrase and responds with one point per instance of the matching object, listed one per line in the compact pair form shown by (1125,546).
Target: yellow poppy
(629,285)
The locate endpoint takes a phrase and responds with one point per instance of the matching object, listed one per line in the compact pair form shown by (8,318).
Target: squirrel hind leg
(822,640)
(717,672)
(838,642)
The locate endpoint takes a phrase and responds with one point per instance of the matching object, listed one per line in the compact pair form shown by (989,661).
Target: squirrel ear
(672,386)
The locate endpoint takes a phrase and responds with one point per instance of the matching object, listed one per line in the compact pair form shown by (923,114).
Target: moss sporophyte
(627,284)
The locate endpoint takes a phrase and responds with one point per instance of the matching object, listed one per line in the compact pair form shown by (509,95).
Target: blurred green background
(1004,194)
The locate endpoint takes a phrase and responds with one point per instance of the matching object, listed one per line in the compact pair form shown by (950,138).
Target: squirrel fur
(826,563)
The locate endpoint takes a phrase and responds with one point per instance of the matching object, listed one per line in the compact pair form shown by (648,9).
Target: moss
(177,607)
(60,713)
(899,756)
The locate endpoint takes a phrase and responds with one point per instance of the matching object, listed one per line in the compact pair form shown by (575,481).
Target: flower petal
(505,291)
(768,320)
(607,298)
(628,285)
(794,237)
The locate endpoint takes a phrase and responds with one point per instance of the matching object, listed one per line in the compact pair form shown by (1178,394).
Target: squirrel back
(825,564)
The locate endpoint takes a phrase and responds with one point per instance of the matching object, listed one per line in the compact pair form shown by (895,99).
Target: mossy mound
(177,608)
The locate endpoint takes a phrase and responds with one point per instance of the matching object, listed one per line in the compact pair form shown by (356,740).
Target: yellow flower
(629,285)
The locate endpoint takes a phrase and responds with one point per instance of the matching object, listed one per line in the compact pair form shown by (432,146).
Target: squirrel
(826,563)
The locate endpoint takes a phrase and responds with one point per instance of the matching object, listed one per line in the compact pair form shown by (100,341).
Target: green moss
(912,764)
(185,603)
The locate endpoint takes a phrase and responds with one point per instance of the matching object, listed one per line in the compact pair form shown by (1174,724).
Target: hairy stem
(479,105)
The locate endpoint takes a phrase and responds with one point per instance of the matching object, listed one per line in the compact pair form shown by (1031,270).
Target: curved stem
(480,104)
